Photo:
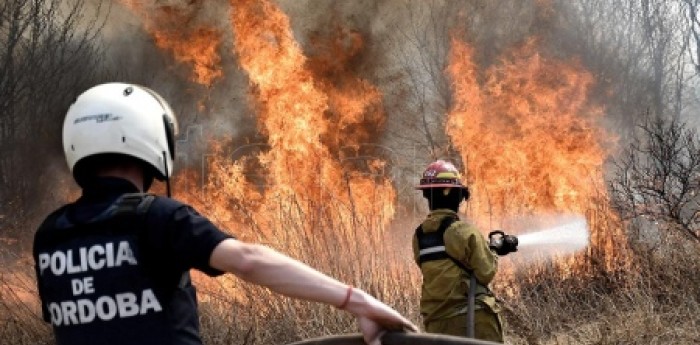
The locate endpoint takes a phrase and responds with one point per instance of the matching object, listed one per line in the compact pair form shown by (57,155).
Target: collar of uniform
(98,194)
(435,218)
(103,187)
(442,212)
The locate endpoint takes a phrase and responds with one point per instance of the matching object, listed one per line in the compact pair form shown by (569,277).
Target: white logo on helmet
(99,118)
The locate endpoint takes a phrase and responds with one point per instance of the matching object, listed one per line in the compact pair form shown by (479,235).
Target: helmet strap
(167,176)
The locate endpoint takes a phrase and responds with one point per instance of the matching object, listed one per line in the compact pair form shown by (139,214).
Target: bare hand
(375,318)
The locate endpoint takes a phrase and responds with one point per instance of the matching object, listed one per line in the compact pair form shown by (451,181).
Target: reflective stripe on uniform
(431,250)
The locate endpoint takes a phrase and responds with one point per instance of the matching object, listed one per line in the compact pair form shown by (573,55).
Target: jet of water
(565,238)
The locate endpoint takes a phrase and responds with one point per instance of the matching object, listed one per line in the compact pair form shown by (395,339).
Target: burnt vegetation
(50,52)
(644,56)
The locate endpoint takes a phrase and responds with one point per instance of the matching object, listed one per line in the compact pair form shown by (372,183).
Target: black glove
(501,243)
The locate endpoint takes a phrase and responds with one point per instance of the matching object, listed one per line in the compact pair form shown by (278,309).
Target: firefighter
(113,266)
(449,251)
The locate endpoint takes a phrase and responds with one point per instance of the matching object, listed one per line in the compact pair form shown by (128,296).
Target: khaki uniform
(446,286)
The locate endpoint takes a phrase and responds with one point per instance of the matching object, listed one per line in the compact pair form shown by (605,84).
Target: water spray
(567,236)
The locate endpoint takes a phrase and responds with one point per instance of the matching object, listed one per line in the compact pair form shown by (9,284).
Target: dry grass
(654,302)
(20,316)
(354,253)
(657,302)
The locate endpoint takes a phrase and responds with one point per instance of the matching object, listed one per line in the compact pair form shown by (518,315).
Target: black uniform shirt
(122,280)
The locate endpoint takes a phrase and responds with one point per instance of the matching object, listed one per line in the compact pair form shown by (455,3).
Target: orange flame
(529,139)
(190,44)
(527,135)
(306,118)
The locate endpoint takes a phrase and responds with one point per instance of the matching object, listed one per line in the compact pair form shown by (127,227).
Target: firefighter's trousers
(487,326)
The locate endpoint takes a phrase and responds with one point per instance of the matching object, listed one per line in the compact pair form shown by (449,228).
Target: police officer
(112,267)
(449,251)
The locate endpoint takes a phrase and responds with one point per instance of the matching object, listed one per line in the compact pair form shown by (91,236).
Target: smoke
(137,48)
(310,17)
(405,43)
(404,54)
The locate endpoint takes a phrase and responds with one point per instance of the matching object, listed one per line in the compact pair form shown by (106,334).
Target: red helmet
(440,174)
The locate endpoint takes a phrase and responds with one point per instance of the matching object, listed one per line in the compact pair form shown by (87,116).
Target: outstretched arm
(266,267)
(469,246)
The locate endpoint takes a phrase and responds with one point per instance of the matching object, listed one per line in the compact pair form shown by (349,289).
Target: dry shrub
(656,302)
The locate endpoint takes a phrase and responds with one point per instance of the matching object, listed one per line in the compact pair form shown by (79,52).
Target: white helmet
(125,119)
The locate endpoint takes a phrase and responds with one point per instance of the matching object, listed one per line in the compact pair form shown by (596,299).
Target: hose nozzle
(502,243)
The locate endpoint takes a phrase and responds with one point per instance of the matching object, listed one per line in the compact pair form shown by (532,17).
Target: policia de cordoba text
(95,258)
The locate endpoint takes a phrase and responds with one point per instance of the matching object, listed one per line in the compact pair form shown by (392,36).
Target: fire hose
(395,338)
(471,301)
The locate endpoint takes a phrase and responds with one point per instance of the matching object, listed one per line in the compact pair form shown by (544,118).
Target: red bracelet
(347,298)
